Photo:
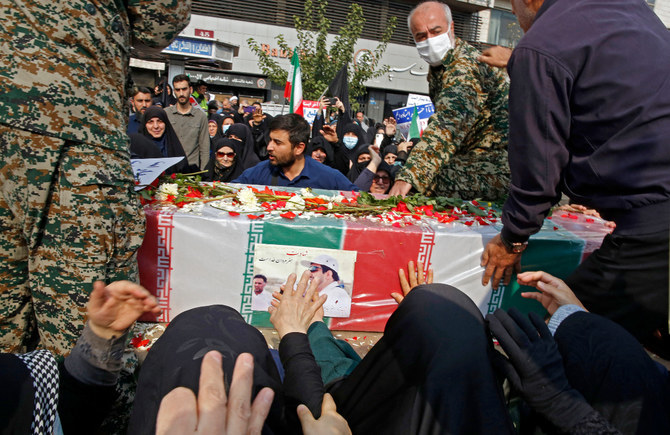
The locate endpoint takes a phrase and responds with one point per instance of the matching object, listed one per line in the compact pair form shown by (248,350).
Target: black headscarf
(216,171)
(357,168)
(141,147)
(352,154)
(321,142)
(249,157)
(383,166)
(169,143)
(219,123)
(223,118)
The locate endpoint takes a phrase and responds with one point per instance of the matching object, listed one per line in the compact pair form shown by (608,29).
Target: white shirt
(262,301)
(338,303)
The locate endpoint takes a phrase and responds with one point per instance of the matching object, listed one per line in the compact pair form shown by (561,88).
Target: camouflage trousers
(471,178)
(68,217)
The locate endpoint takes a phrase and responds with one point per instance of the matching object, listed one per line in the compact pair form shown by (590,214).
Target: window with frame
(504,29)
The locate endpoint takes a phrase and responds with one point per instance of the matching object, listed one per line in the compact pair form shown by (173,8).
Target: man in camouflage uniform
(463,151)
(68,213)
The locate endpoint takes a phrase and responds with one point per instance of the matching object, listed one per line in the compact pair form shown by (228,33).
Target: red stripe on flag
(381,252)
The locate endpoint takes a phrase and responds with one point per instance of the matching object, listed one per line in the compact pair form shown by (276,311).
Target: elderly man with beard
(287,165)
(463,150)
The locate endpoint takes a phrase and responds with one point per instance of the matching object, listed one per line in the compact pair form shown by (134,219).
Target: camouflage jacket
(470,118)
(64,63)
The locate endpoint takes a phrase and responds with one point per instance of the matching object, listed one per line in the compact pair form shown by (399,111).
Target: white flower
(224,204)
(247,198)
(194,207)
(295,203)
(166,189)
(306,192)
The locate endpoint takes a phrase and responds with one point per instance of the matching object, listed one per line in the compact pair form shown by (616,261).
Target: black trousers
(626,280)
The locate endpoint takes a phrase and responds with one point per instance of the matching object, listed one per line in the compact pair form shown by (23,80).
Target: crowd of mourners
(581,110)
(367,153)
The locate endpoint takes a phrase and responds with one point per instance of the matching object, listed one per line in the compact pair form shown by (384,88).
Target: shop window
(504,29)
(392,101)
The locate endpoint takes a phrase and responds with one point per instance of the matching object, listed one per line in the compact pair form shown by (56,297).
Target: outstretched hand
(535,367)
(296,309)
(496,56)
(553,291)
(416,277)
(330,422)
(401,188)
(329,133)
(113,308)
(499,263)
(213,412)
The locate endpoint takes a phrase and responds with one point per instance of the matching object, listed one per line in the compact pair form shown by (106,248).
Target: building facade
(231,23)
(214,46)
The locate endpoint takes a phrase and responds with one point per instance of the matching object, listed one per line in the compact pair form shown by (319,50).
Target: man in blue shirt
(287,165)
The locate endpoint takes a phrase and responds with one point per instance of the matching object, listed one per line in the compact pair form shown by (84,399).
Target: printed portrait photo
(333,268)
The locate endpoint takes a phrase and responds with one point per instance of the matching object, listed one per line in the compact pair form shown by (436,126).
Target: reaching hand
(339,104)
(404,146)
(296,309)
(212,412)
(499,263)
(329,133)
(401,188)
(416,277)
(113,308)
(553,291)
(536,369)
(496,56)
(258,115)
(330,422)
(318,315)
(375,158)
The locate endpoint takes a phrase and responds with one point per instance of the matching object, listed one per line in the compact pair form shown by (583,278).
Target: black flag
(339,87)
(165,98)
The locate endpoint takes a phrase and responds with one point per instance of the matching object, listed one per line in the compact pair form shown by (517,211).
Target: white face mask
(350,142)
(432,50)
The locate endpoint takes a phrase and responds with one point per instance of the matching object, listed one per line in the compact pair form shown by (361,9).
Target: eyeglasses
(222,154)
(383,179)
(314,268)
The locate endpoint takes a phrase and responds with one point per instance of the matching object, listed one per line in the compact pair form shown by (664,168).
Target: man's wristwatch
(514,248)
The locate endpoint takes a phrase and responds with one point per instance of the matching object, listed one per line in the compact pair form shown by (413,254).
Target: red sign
(204,33)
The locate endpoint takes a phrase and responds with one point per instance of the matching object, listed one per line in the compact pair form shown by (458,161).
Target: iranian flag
(293,89)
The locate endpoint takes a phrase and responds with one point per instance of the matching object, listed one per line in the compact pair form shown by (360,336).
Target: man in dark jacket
(590,117)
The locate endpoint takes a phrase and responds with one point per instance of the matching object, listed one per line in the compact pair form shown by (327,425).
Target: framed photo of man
(332,267)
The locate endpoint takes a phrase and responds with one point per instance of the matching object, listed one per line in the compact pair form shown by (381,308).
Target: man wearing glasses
(325,269)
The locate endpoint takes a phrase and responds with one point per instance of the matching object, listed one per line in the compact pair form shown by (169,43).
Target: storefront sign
(190,46)
(276,52)
(214,78)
